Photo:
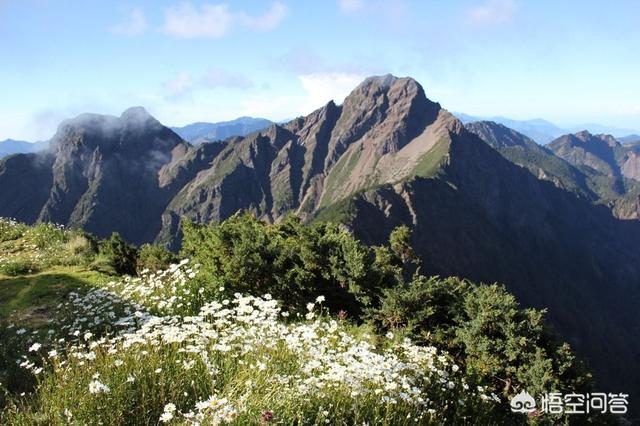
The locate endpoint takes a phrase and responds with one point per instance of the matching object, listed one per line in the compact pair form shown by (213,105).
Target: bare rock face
(630,163)
(600,152)
(381,133)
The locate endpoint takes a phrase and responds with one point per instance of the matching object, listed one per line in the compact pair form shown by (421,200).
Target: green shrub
(292,262)
(154,257)
(500,344)
(118,255)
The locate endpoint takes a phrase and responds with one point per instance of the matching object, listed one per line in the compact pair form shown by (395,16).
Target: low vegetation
(283,324)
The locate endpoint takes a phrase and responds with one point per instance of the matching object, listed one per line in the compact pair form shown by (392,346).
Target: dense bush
(500,344)
(154,257)
(197,339)
(117,255)
(292,262)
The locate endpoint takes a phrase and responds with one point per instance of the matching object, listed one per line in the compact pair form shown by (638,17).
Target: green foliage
(500,344)
(117,254)
(431,162)
(292,262)
(154,257)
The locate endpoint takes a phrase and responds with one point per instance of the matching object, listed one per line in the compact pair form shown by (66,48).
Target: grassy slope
(30,302)
(32,299)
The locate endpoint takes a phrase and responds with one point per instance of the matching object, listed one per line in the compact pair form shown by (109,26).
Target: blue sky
(566,61)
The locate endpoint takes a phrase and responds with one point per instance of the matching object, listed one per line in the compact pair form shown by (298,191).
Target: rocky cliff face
(483,202)
(386,131)
(600,152)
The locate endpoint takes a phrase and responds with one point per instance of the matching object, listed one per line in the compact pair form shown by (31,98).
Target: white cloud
(493,12)
(350,6)
(216,20)
(320,88)
(267,22)
(179,86)
(135,24)
(183,84)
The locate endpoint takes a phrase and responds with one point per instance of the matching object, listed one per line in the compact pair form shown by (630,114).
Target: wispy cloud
(323,87)
(217,77)
(184,84)
(217,20)
(304,60)
(493,12)
(350,6)
(180,86)
(134,24)
(266,22)
(318,89)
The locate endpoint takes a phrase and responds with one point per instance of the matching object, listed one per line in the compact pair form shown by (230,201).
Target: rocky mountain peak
(137,115)
(134,129)
(386,108)
(583,135)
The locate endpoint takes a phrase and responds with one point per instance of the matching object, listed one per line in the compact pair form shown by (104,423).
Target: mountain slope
(598,186)
(198,133)
(489,219)
(385,131)
(600,152)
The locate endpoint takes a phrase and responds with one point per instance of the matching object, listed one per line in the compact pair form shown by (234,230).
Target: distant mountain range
(630,139)
(483,200)
(198,133)
(11,146)
(543,132)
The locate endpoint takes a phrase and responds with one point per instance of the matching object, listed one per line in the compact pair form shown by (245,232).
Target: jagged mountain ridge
(620,193)
(317,160)
(386,156)
(600,152)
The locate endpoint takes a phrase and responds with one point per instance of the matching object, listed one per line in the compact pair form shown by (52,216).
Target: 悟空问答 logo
(523,403)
